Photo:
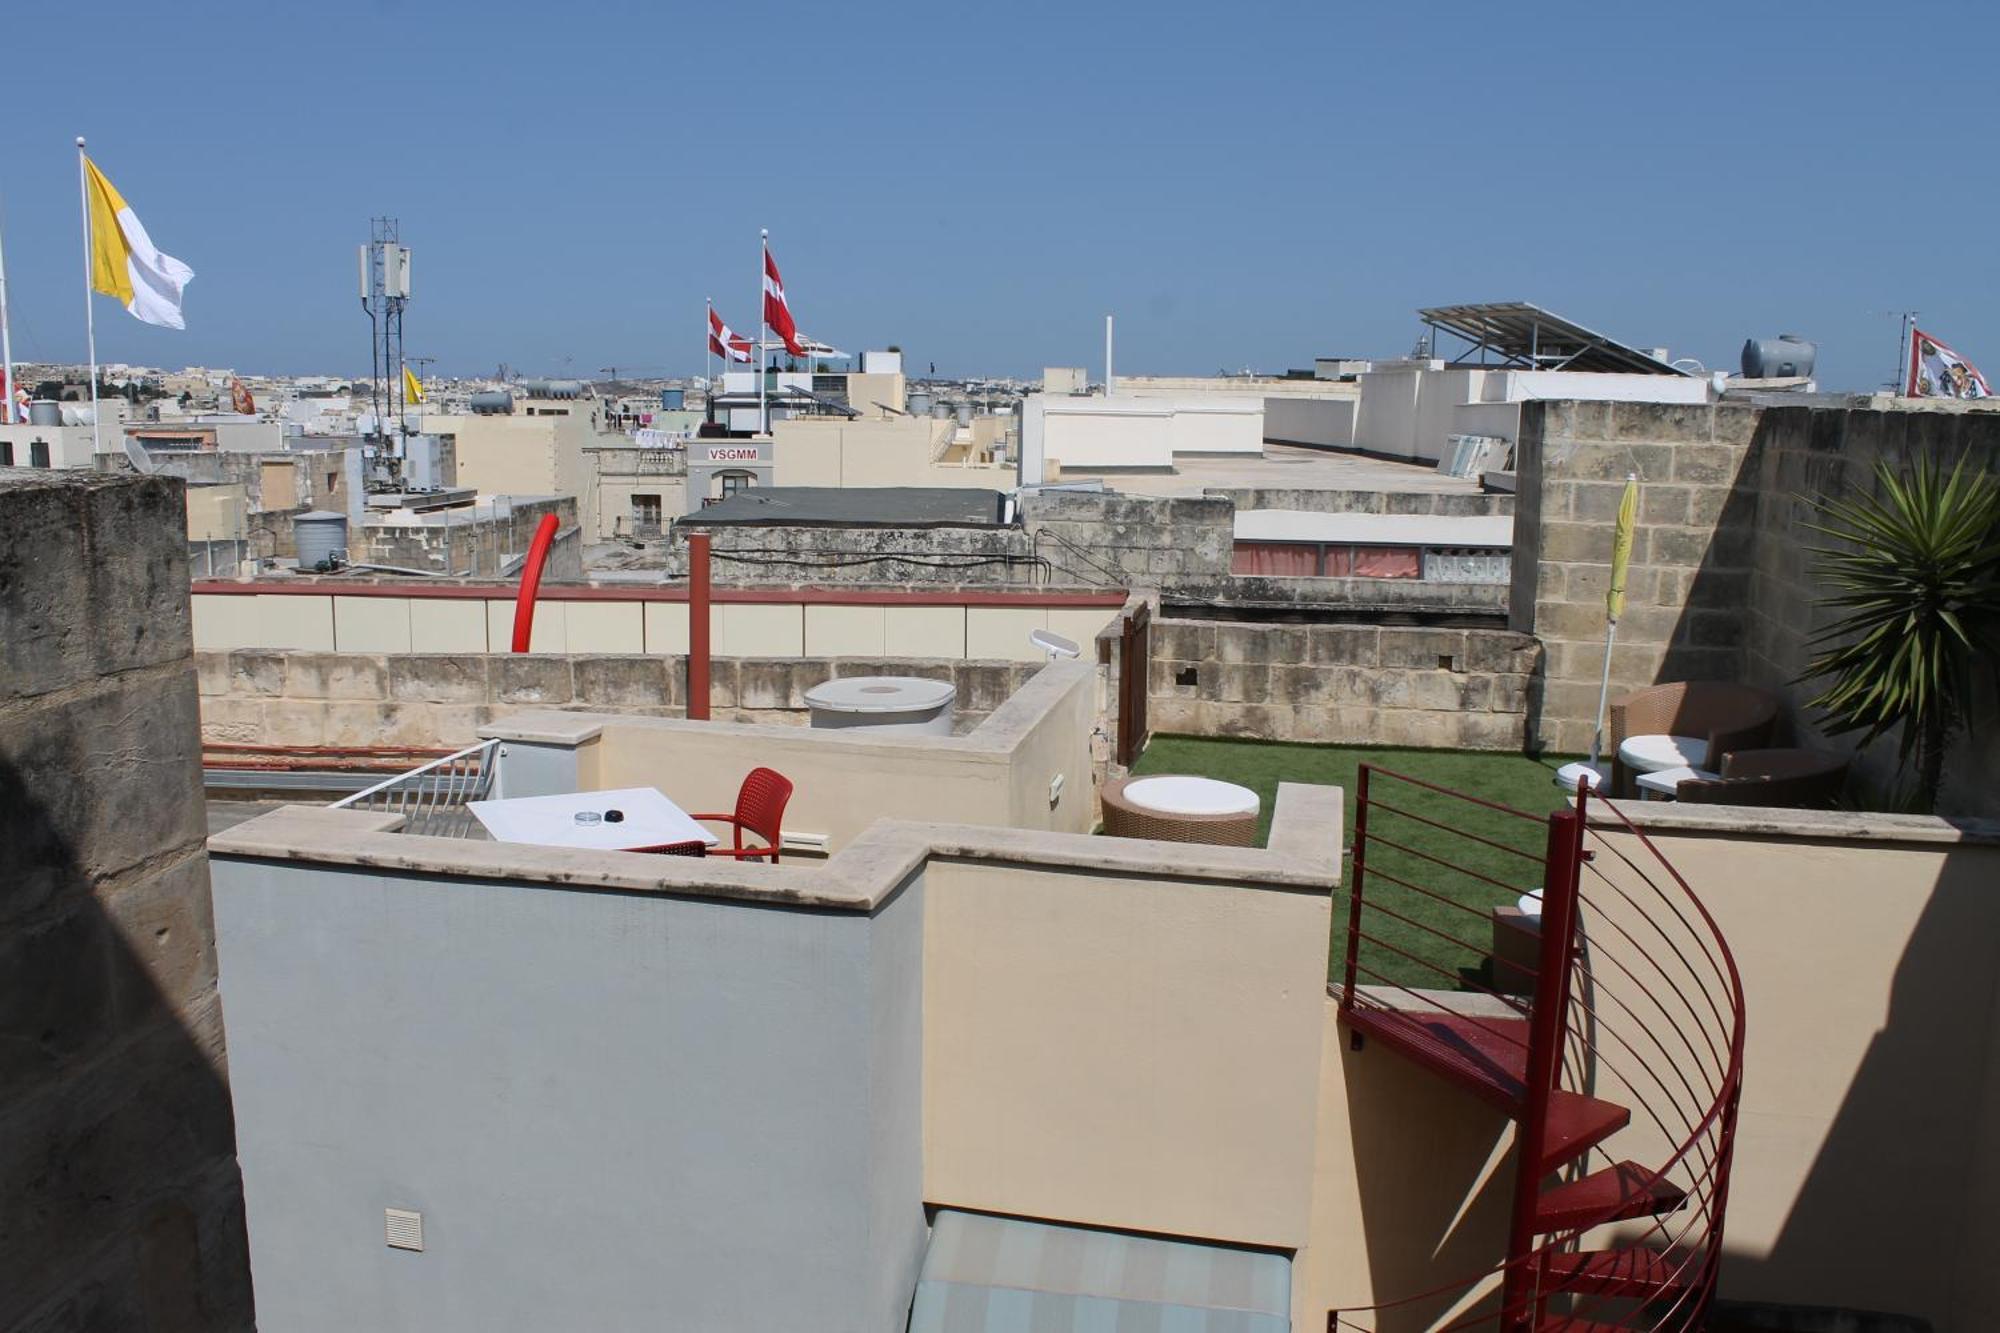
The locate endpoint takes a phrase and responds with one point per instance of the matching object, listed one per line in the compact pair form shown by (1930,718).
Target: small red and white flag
(777,314)
(1938,372)
(724,342)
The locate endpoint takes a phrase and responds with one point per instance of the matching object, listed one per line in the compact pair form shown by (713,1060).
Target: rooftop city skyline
(981,192)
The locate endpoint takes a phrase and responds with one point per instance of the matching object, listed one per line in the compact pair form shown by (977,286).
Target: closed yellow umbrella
(1621,555)
(1591,774)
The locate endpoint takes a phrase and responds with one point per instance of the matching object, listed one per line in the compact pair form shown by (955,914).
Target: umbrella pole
(1603,696)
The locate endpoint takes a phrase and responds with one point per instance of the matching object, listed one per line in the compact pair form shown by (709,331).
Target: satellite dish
(1055,645)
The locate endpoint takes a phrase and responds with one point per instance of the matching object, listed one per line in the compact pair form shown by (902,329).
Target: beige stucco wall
(845,781)
(1150,1064)
(326,622)
(898,451)
(217,513)
(521,454)
(1869,1145)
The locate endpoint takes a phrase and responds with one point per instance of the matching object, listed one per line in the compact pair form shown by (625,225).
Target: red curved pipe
(531,581)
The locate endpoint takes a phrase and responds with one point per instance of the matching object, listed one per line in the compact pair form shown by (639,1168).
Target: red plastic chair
(760,809)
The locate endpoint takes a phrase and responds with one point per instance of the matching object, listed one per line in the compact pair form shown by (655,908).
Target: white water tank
(887,705)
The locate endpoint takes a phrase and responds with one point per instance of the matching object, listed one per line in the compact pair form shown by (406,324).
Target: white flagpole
(89,306)
(6,340)
(763,329)
(708,341)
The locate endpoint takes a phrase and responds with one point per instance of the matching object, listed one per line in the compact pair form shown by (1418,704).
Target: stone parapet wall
(1450,504)
(1692,553)
(1804,455)
(120,1201)
(1342,684)
(259,697)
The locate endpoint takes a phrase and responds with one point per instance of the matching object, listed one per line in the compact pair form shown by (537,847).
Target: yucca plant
(1916,582)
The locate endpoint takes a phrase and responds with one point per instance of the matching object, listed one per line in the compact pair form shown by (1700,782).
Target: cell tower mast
(385,290)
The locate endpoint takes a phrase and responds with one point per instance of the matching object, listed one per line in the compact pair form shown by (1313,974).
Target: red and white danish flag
(778,315)
(724,342)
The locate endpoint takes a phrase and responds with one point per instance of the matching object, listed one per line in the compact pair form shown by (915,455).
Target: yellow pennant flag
(1621,548)
(413,388)
(124,263)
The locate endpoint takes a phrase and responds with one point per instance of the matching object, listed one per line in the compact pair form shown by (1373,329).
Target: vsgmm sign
(732,454)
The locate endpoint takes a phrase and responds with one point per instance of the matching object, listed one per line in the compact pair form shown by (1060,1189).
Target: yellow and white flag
(123,260)
(413,388)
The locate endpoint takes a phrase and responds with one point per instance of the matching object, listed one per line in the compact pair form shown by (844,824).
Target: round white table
(1650,754)
(1179,795)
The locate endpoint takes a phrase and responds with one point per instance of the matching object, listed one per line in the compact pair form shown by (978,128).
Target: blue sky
(1242,185)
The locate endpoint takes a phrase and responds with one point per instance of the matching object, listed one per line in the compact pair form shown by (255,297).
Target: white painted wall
(1409,409)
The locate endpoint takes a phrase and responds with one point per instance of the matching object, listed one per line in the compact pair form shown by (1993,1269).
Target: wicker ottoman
(1189,809)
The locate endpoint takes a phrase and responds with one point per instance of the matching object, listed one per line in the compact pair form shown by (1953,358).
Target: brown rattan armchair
(1801,779)
(1728,716)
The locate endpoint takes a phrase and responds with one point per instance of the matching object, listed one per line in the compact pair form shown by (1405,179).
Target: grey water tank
(322,538)
(919,403)
(964,411)
(552,388)
(492,402)
(940,410)
(1786,356)
(45,412)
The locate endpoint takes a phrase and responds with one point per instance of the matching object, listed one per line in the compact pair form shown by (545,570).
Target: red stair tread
(1577,1124)
(1488,1057)
(1634,1272)
(1610,1195)
(1485,1056)
(1562,1323)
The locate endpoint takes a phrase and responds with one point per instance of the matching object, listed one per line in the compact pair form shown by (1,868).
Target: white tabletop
(651,820)
(1666,781)
(1649,754)
(1191,796)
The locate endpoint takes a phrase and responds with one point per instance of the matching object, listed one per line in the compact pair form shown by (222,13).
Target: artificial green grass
(1479,876)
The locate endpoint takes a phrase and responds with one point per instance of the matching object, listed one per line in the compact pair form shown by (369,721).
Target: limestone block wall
(1454,504)
(120,1203)
(260,697)
(1692,554)
(1802,457)
(1342,684)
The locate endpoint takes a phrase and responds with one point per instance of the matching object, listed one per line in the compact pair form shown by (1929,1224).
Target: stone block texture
(428,700)
(1342,684)
(120,1203)
(1722,584)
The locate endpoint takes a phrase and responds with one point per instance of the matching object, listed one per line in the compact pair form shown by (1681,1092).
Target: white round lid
(1176,795)
(881,694)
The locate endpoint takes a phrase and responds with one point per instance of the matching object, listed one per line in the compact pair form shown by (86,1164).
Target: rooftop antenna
(385,290)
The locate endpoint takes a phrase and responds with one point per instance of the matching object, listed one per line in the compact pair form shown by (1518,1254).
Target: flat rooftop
(1283,467)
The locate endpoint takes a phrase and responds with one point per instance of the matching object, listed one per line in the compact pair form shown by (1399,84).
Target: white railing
(432,798)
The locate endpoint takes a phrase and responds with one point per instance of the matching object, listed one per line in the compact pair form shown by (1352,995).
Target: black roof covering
(1526,335)
(855,507)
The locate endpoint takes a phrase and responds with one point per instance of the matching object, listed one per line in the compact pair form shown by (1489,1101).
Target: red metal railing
(1623,1041)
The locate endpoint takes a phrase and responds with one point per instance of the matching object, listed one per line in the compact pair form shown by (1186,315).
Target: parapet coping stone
(861,877)
(1822,825)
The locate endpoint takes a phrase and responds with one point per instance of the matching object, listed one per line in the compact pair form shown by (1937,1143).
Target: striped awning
(985,1274)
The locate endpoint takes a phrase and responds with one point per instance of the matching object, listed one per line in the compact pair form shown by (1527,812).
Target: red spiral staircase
(1624,1025)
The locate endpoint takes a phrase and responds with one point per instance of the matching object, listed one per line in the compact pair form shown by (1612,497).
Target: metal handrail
(1582,1030)
(432,798)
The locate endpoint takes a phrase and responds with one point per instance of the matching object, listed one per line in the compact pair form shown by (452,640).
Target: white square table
(651,820)
(1662,784)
